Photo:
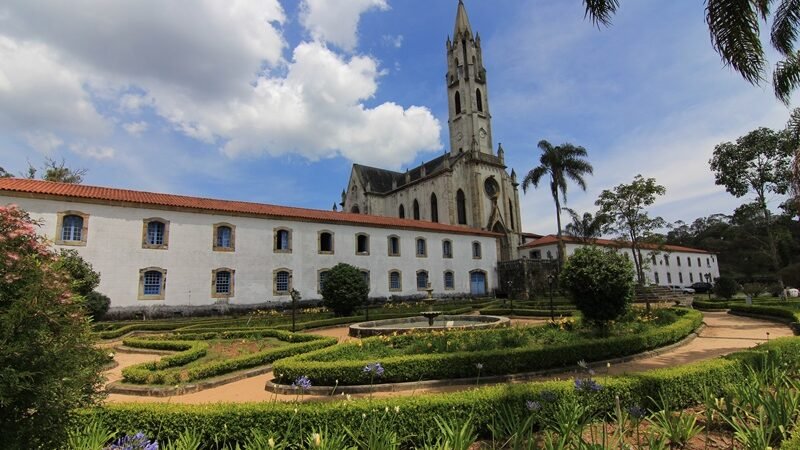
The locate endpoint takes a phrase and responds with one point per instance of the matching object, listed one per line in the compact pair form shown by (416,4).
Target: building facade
(169,250)
(665,265)
(470,184)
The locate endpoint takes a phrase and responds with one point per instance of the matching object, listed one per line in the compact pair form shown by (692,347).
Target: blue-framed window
(155,232)
(224,236)
(282,281)
(395,282)
(223,282)
(72,228)
(449,280)
(153,282)
(422,279)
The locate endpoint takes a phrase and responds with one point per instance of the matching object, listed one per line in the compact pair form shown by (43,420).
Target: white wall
(691,274)
(114,248)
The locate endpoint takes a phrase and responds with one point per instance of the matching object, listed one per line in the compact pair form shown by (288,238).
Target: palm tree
(560,162)
(586,228)
(735,35)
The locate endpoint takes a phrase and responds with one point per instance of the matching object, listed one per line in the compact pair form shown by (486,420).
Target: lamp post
(550,280)
(295,299)
(708,280)
(510,284)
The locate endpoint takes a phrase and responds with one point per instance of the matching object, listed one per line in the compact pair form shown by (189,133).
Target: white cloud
(135,128)
(395,41)
(213,71)
(93,151)
(43,142)
(336,21)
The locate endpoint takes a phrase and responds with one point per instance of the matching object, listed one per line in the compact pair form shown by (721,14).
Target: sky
(273,101)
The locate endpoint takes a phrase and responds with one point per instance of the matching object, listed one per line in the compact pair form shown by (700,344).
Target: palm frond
(784,27)
(545,146)
(734,28)
(600,11)
(533,177)
(786,77)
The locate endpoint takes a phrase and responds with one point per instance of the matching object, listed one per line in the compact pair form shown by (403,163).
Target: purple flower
(533,405)
(375,368)
(587,385)
(637,412)
(136,442)
(548,396)
(302,382)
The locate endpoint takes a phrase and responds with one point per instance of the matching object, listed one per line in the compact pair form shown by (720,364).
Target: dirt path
(723,334)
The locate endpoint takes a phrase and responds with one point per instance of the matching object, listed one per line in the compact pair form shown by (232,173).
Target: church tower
(468,96)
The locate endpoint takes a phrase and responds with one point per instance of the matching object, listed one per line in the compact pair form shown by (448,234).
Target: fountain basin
(420,323)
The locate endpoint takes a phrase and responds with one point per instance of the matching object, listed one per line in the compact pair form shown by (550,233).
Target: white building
(161,249)
(665,265)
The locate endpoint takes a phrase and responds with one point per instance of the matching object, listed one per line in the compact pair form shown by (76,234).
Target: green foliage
(509,354)
(753,289)
(83,278)
(412,417)
(772,311)
(625,208)
(586,228)
(97,305)
(726,287)
(57,172)
(525,312)
(791,275)
(48,365)
(345,289)
(600,282)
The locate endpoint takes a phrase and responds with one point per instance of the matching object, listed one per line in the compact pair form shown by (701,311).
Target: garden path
(723,334)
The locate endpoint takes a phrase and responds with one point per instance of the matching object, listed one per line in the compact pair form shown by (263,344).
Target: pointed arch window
(479,99)
(434,208)
(510,214)
(461,207)
(458,102)
(416,210)
(401,212)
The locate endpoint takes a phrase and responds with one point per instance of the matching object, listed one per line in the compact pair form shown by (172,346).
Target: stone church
(468,185)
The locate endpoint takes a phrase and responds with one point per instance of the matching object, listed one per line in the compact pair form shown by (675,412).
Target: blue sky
(272,101)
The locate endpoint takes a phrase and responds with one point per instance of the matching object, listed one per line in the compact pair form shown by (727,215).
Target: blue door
(477,283)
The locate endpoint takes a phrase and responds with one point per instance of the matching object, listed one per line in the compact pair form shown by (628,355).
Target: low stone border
(794,326)
(466,382)
(379,327)
(118,387)
(146,351)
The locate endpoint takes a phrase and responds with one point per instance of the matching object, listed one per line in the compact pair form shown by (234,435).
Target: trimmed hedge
(191,350)
(495,362)
(522,312)
(706,305)
(228,423)
(772,311)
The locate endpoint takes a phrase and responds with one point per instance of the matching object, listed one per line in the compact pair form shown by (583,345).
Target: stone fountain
(430,314)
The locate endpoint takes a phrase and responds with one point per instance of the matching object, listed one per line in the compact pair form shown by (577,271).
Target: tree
(48,363)
(600,282)
(57,171)
(726,287)
(344,289)
(759,162)
(586,228)
(736,35)
(625,208)
(560,163)
(4,173)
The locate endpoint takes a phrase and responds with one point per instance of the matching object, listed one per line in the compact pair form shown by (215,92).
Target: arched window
(401,212)
(434,208)
(458,103)
(355,209)
(476,250)
(325,242)
(416,210)
(283,282)
(362,244)
(365,275)
(223,283)
(449,280)
(447,249)
(152,283)
(461,207)
(283,240)
(422,280)
(72,228)
(156,233)
(322,276)
(510,214)
(479,99)
(394,246)
(395,281)
(422,249)
(223,237)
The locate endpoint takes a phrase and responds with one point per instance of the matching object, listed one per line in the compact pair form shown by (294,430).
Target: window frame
(417,241)
(320,272)
(399,287)
(215,237)
(389,245)
(162,288)
(427,280)
(332,242)
(452,286)
(60,228)
(366,236)
(165,239)
(445,254)
(275,233)
(231,283)
(289,282)
(477,245)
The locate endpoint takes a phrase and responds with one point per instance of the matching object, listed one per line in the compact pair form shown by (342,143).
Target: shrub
(600,282)
(345,289)
(726,287)
(97,305)
(772,311)
(83,279)
(791,277)
(48,364)
(753,289)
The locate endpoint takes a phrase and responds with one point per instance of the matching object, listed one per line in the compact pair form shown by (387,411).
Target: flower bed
(524,312)
(170,369)
(457,354)
(413,416)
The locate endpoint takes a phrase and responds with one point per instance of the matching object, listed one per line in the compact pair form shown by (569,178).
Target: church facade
(469,185)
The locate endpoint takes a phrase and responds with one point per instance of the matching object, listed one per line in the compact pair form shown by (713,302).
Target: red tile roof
(94,194)
(551,239)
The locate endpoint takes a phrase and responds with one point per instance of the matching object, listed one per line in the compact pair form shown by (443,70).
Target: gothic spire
(462,23)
